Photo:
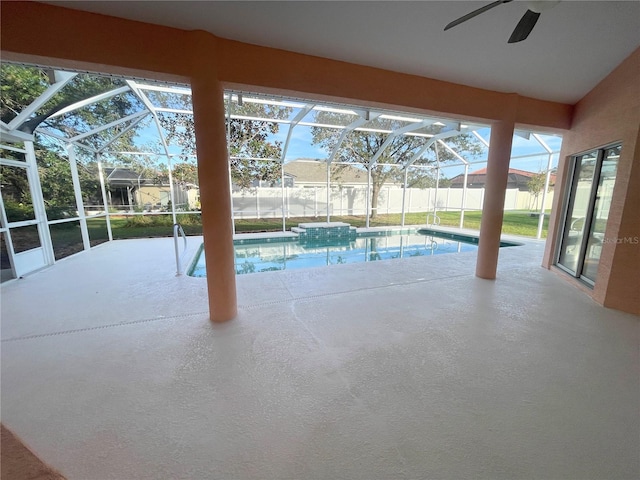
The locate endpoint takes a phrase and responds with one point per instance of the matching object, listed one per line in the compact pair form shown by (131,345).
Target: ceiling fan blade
(475,13)
(524,27)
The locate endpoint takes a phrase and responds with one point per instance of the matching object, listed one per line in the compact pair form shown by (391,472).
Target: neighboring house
(313,173)
(122,183)
(288,182)
(127,188)
(517,179)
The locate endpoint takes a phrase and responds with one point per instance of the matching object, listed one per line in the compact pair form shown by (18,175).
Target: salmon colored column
(215,196)
(494,193)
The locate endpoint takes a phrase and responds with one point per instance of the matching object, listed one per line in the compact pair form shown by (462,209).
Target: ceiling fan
(526,23)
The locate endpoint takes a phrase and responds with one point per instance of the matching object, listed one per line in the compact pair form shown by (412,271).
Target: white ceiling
(574,45)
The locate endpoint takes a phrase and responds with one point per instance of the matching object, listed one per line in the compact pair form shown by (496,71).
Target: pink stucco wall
(610,113)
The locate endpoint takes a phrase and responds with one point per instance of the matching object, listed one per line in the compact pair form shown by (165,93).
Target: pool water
(276,255)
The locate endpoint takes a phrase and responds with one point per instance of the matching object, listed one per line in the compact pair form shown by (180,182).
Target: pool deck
(400,369)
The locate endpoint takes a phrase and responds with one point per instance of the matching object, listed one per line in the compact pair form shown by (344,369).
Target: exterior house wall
(157,197)
(609,113)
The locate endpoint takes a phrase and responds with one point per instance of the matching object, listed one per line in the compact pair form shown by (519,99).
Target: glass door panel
(587,213)
(600,214)
(575,223)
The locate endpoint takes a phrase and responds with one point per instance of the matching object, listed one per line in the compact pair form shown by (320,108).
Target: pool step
(324,231)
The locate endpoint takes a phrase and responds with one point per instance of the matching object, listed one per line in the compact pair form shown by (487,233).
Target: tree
(22,85)
(250,141)
(361,146)
(535,185)
(185,172)
(18,88)
(421,178)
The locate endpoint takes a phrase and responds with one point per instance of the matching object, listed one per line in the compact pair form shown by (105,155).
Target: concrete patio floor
(401,369)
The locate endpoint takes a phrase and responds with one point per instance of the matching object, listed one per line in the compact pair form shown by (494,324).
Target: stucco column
(495,189)
(215,197)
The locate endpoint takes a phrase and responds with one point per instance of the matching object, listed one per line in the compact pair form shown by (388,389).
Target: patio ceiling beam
(108,126)
(89,101)
(23,116)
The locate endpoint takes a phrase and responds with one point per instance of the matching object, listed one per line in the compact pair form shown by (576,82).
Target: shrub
(138,221)
(18,212)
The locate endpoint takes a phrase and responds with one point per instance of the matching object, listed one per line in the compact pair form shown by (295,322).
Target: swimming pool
(287,253)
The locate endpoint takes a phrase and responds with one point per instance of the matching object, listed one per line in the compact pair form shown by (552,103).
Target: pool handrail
(179,231)
(436,219)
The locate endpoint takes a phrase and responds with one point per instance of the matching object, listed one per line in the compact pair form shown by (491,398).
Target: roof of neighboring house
(315,171)
(524,173)
(124,176)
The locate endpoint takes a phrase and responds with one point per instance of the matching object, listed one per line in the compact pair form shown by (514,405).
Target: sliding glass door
(587,212)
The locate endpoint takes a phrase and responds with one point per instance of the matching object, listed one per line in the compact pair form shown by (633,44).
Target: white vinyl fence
(262,202)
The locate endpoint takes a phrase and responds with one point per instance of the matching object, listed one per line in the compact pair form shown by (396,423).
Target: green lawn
(153,226)
(514,223)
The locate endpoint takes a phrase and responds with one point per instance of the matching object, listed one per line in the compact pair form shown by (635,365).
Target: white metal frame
(361,121)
